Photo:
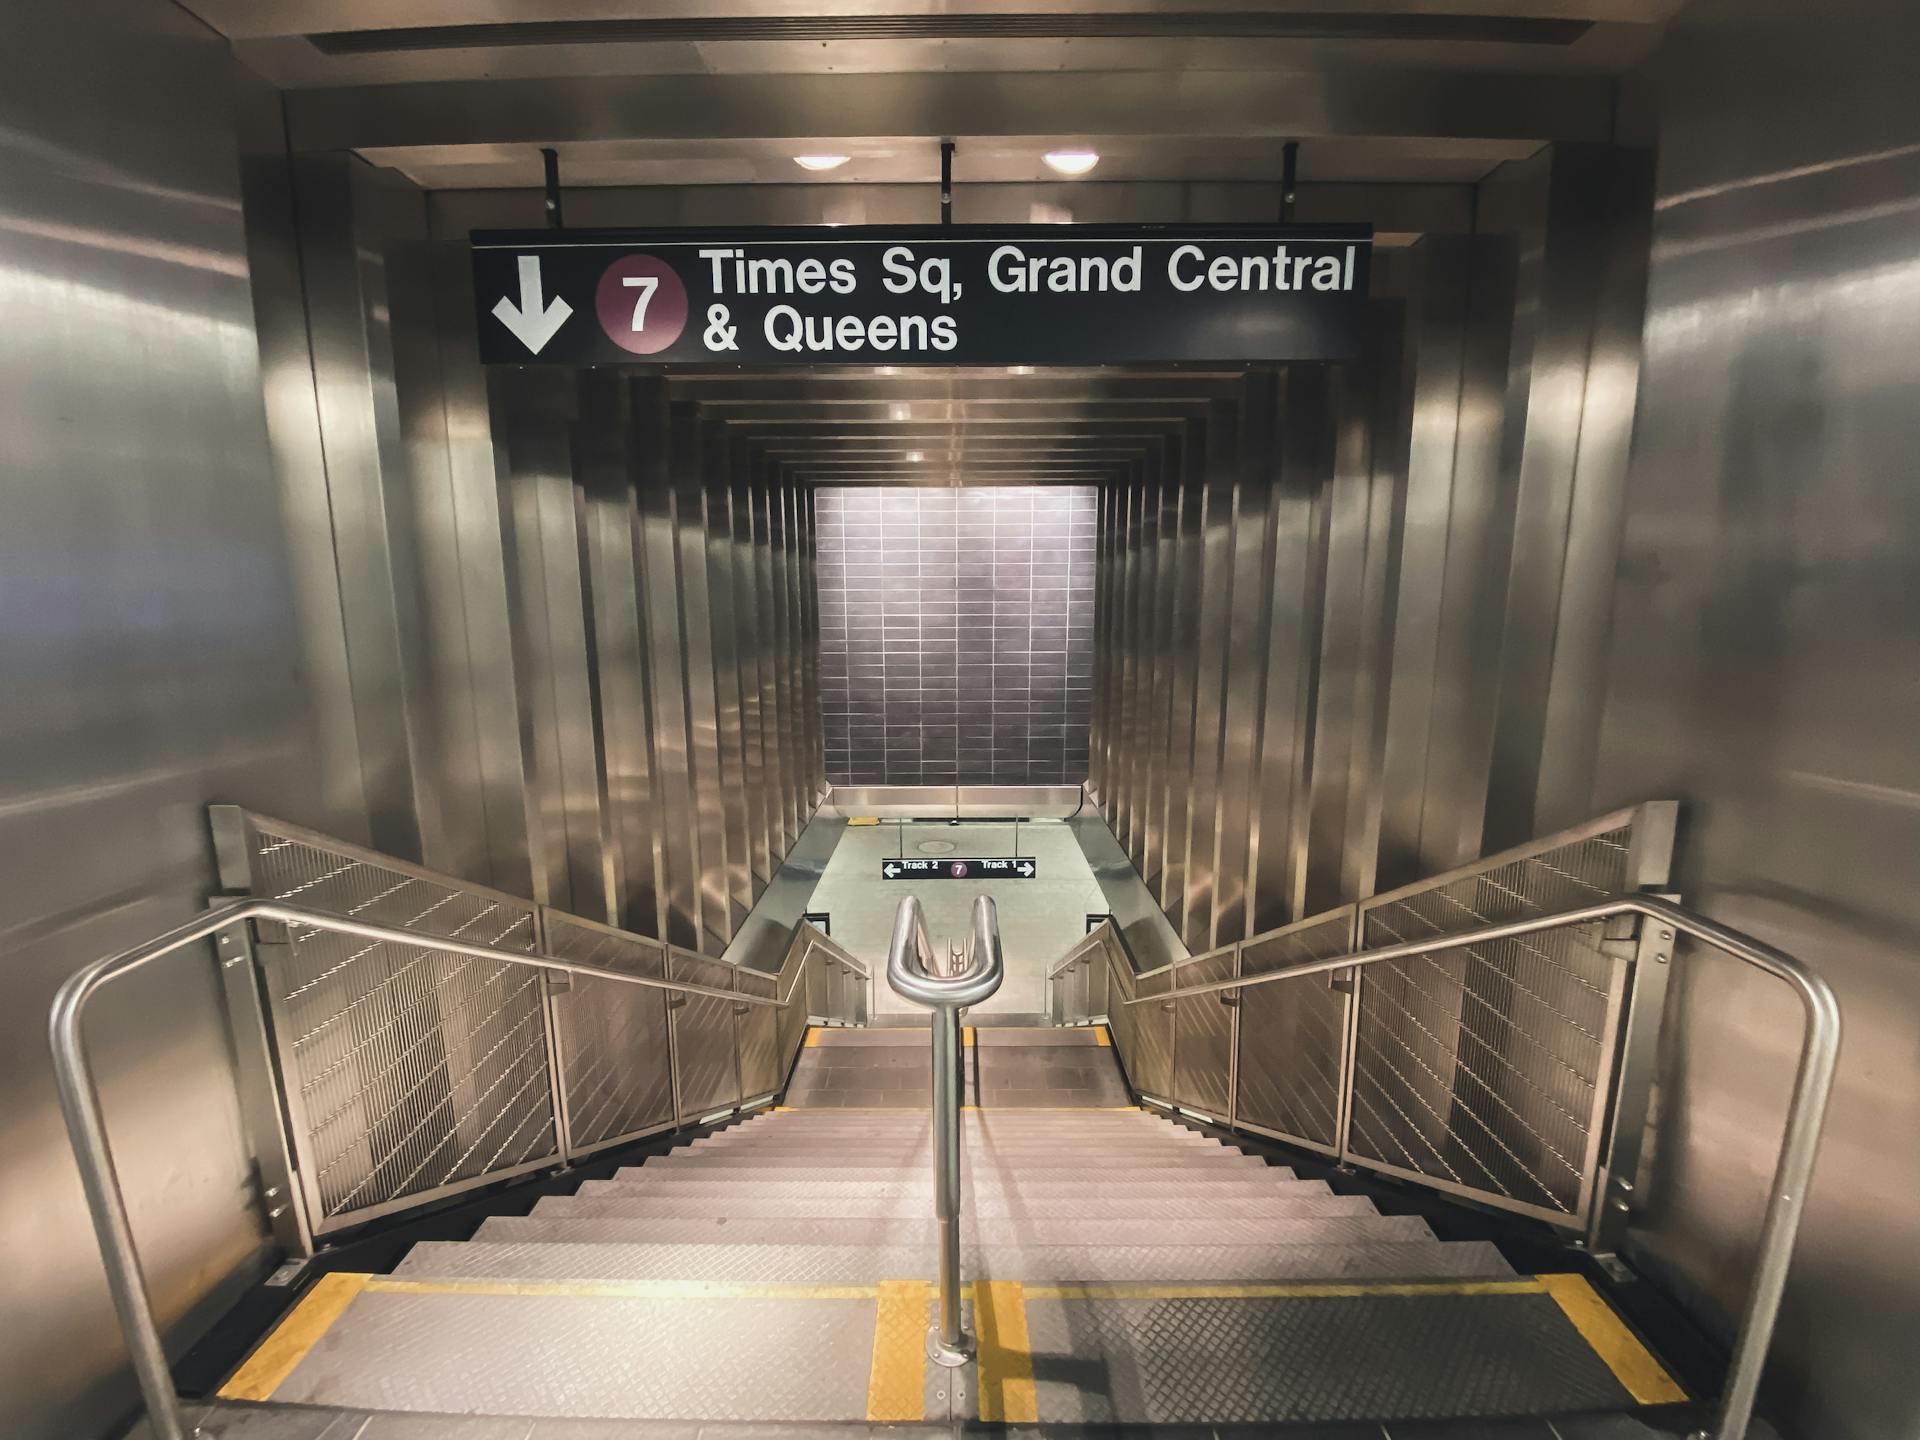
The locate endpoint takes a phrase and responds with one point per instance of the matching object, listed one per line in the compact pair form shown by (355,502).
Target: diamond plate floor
(1129,1272)
(1244,1361)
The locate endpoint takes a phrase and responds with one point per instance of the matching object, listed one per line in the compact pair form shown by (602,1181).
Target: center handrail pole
(911,967)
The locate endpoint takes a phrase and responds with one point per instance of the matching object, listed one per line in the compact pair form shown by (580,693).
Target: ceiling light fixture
(914,457)
(900,412)
(821,162)
(1071,162)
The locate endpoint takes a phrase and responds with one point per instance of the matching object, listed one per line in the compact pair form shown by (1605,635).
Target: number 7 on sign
(646,285)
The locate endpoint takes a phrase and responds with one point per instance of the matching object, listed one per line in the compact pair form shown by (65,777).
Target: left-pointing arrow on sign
(531,321)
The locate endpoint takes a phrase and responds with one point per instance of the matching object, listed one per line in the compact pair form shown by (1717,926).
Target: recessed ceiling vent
(1169,25)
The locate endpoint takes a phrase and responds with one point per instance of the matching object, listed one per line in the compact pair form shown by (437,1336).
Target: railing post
(1611,1208)
(949,1344)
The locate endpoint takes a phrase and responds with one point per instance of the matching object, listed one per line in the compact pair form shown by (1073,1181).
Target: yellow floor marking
(1102,1038)
(1632,1364)
(897,1381)
(1301,1290)
(864,820)
(814,1034)
(623,1289)
(294,1336)
(967,1034)
(1006,1361)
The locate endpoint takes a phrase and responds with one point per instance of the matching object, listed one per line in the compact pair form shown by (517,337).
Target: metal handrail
(86,1122)
(911,971)
(1806,1112)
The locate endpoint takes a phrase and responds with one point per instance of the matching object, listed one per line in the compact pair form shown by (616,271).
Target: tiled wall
(956,633)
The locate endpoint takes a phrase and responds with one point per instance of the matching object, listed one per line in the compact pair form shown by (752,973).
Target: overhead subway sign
(888,295)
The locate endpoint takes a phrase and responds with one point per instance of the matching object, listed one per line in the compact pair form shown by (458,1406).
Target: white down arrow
(532,323)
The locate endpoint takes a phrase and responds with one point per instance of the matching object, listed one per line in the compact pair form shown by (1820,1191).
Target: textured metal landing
(304,1422)
(1375,1357)
(588,1356)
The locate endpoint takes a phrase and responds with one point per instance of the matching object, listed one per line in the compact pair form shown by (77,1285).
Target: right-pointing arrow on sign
(532,322)
(1026,870)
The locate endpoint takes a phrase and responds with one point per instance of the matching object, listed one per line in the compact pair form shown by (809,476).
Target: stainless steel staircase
(1120,1269)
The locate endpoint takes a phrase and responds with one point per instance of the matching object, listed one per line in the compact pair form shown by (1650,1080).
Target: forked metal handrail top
(913,968)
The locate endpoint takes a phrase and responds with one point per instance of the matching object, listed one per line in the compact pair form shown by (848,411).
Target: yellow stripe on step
(294,1336)
(1102,1038)
(897,1381)
(1633,1365)
(966,1035)
(1006,1361)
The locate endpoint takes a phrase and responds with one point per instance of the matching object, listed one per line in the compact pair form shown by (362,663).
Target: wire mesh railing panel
(703,1042)
(1293,1034)
(758,1029)
(1122,1019)
(1485,1069)
(408,1070)
(615,1065)
(1152,1062)
(1203,1038)
(795,982)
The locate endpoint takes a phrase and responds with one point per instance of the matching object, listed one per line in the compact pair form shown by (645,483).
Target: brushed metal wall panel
(1234,834)
(1217,488)
(1765,658)
(687,476)
(154,656)
(729,731)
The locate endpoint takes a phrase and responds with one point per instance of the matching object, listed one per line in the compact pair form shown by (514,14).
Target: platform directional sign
(1020,867)
(922,295)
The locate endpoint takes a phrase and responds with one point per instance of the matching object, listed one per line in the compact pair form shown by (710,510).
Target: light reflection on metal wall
(1766,661)
(152,656)
(1332,671)
(575,612)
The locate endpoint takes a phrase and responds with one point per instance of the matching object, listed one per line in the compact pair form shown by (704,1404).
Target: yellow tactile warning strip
(1632,1364)
(1006,1359)
(863,820)
(1102,1037)
(294,1336)
(966,1035)
(897,1381)
(814,1032)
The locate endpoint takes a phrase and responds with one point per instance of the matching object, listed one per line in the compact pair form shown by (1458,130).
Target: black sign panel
(1018,868)
(894,295)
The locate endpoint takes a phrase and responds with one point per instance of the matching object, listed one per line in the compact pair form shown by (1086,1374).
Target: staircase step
(1333,1248)
(1289,1198)
(620,1201)
(1009,1152)
(813,1160)
(914,1231)
(1159,1181)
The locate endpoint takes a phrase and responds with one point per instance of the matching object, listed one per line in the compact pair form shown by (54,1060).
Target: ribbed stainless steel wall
(1350,623)
(574,626)
(1766,661)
